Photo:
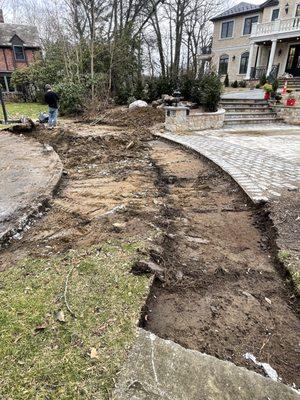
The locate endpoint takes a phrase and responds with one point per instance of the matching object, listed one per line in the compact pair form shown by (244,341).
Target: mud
(108,179)
(220,292)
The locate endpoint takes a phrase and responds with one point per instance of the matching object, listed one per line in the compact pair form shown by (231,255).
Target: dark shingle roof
(270,3)
(28,34)
(241,8)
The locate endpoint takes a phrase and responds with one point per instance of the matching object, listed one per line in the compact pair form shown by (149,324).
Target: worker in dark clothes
(52,99)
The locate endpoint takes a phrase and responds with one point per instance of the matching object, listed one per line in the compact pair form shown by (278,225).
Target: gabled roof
(241,8)
(270,3)
(245,8)
(28,34)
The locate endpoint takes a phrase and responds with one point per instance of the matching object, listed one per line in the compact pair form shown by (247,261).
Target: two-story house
(250,40)
(19,46)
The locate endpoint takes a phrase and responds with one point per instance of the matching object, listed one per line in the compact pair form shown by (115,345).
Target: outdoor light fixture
(177,95)
(287,8)
(279,52)
(233,58)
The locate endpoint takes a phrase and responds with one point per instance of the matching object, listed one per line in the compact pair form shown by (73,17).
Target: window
(6,85)
(248,24)
(11,88)
(275,14)
(19,53)
(223,65)
(3,83)
(244,63)
(227,29)
(291,57)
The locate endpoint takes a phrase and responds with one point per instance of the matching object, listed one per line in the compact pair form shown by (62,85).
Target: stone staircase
(248,111)
(292,83)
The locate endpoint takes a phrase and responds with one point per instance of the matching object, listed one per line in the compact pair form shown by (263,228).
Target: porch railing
(279,26)
(258,72)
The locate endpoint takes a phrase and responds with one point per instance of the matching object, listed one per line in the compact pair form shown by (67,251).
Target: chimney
(1,16)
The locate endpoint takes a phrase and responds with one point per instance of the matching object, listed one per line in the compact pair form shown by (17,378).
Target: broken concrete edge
(158,369)
(18,225)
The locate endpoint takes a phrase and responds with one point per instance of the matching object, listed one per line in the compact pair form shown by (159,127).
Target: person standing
(52,99)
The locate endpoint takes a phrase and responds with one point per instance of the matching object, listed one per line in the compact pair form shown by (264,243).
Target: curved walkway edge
(29,174)
(261,174)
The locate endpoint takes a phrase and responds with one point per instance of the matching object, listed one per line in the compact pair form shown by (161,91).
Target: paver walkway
(29,172)
(256,94)
(264,165)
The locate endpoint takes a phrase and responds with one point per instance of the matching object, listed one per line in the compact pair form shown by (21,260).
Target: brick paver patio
(263,165)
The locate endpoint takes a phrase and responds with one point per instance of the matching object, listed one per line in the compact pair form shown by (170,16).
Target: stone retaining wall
(180,120)
(290,115)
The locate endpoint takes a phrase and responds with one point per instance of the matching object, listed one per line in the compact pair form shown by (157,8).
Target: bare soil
(108,180)
(220,292)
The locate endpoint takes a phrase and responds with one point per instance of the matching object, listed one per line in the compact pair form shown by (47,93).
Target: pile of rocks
(165,101)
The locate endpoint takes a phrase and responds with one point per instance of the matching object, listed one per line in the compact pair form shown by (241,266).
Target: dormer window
(19,53)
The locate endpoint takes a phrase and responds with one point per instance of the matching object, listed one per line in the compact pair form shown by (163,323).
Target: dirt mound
(132,118)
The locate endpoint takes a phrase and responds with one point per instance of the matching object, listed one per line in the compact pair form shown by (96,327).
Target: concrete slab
(162,370)
(29,173)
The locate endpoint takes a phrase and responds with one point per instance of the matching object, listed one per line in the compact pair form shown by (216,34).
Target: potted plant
(268,88)
(291,101)
(278,97)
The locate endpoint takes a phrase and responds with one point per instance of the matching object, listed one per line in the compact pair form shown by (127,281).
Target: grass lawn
(46,353)
(17,110)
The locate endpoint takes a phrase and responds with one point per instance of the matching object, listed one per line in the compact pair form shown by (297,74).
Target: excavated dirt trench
(220,292)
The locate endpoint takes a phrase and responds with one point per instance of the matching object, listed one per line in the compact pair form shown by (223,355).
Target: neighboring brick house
(19,47)
(251,40)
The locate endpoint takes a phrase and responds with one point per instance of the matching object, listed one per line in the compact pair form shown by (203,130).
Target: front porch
(274,49)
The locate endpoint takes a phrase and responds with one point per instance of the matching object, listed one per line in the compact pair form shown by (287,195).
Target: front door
(293,62)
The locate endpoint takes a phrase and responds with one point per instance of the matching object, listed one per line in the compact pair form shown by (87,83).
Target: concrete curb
(160,369)
(41,168)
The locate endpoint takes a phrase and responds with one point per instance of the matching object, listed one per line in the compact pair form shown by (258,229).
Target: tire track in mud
(221,293)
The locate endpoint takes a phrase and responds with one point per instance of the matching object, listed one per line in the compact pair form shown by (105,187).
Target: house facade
(250,40)
(19,47)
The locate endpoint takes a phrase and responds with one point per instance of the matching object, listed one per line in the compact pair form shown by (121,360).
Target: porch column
(251,52)
(272,55)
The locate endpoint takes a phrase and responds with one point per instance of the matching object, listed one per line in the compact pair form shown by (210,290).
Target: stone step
(251,107)
(296,78)
(252,121)
(245,106)
(239,109)
(244,101)
(290,84)
(250,115)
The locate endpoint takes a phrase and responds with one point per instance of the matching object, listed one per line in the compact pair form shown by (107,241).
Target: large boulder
(138,104)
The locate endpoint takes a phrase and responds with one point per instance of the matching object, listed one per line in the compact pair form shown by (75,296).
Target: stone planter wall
(290,115)
(180,120)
